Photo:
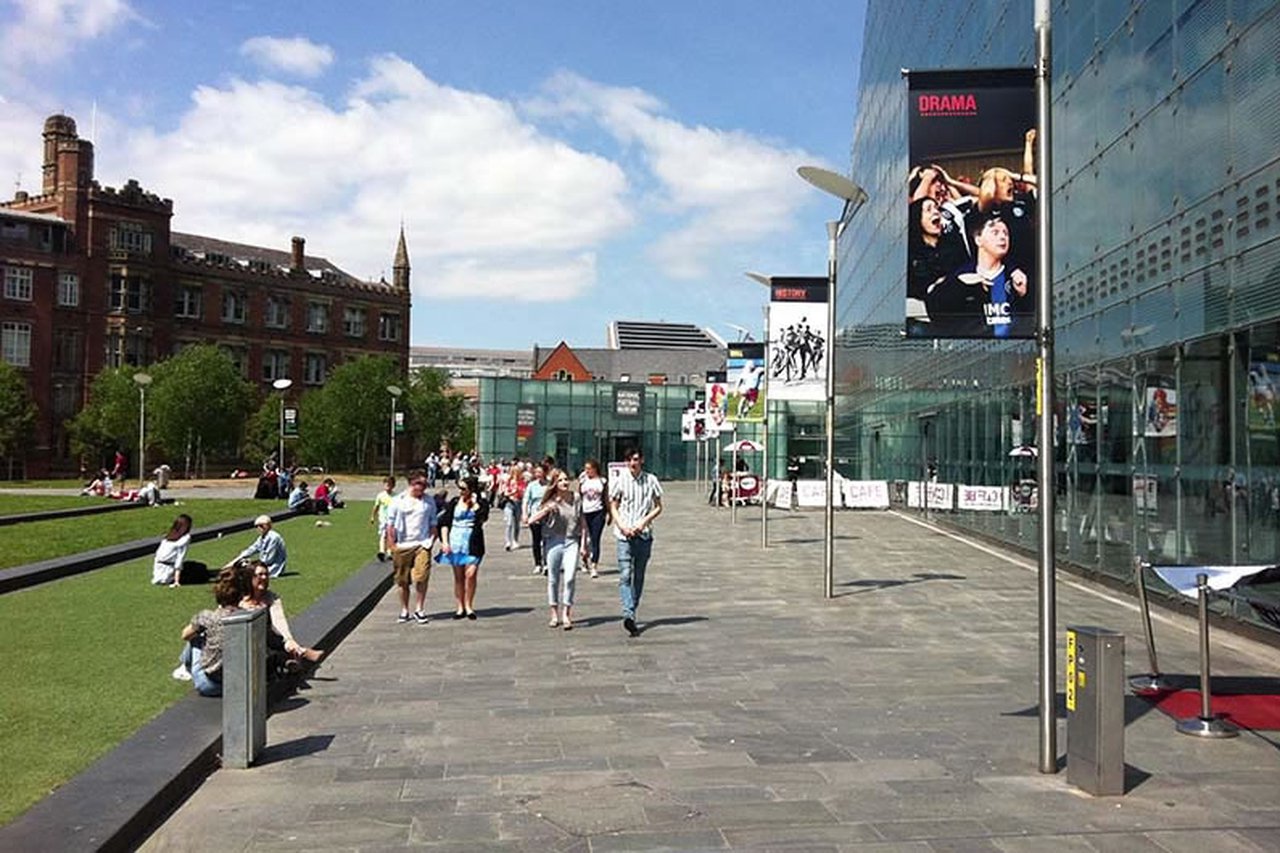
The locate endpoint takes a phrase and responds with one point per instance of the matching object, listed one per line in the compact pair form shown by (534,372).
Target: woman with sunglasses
(256,578)
(560,514)
(462,543)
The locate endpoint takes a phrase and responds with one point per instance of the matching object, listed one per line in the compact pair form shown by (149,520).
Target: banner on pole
(290,427)
(971,194)
(798,350)
(745,402)
(716,401)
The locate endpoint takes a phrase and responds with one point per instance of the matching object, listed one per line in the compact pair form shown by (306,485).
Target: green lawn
(42,540)
(86,660)
(16,504)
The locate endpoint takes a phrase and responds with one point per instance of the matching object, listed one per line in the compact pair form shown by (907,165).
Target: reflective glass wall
(1166,181)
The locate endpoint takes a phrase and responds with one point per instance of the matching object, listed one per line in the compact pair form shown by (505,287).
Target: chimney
(299,262)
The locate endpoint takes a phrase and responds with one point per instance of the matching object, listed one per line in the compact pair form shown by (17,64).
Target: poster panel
(716,401)
(628,402)
(971,204)
(1264,383)
(1160,417)
(688,425)
(746,373)
(798,351)
(983,498)
(526,422)
(866,494)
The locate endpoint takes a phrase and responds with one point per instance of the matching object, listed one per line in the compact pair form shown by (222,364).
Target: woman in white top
(591,486)
(167,568)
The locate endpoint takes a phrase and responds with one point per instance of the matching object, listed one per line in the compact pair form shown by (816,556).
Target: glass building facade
(1166,236)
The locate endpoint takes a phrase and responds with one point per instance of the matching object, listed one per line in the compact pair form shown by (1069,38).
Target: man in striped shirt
(635,500)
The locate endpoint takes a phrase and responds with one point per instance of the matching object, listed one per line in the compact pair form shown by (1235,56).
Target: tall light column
(854,197)
(281,385)
(143,380)
(395,391)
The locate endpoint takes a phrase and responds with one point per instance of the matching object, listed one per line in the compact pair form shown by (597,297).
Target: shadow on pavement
(490,612)
(668,621)
(308,745)
(872,584)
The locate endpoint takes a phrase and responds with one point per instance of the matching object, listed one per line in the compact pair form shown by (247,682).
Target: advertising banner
(717,400)
(866,494)
(1160,419)
(290,428)
(1146,492)
(688,425)
(942,496)
(745,402)
(628,401)
(526,421)
(1264,381)
(984,498)
(971,196)
(797,338)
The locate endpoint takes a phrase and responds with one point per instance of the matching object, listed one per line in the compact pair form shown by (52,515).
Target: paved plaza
(749,715)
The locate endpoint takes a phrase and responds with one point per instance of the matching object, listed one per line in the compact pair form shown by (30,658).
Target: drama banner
(798,350)
(745,403)
(971,204)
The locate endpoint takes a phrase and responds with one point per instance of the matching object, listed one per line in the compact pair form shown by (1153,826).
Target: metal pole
(829,513)
(733,483)
(280,458)
(764,471)
(1150,682)
(142,437)
(1044,399)
(392,464)
(1206,725)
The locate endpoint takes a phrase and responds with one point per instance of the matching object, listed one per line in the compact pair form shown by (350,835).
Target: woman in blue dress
(462,543)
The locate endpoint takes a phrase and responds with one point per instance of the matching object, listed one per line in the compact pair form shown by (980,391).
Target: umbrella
(743,446)
(1024,450)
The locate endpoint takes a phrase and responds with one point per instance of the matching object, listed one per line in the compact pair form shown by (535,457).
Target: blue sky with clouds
(556,164)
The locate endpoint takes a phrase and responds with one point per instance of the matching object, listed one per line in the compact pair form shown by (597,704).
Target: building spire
(400,269)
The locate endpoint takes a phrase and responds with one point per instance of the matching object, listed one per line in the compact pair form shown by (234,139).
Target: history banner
(746,373)
(971,195)
(798,350)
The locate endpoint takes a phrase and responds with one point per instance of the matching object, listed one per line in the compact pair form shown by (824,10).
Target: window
(130,237)
(277,315)
(315,368)
(353,322)
(17,283)
(66,349)
(317,317)
(389,327)
(15,343)
(275,365)
(234,306)
(189,301)
(68,290)
(129,293)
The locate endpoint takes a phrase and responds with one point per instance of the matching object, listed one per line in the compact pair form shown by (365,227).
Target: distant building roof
(45,218)
(246,255)
(465,363)
(637,334)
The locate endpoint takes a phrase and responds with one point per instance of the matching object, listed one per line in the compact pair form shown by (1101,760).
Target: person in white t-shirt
(410,534)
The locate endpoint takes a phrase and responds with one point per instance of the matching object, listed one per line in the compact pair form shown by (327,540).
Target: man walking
(635,500)
(411,531)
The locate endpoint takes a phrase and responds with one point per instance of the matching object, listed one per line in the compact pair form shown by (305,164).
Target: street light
(767,281)
(854,197)
(143,380)
(281,385)
(395,391)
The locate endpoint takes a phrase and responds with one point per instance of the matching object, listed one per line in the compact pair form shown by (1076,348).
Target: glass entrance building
(1166,211)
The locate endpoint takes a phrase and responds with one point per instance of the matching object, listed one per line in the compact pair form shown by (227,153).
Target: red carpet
(1256,711)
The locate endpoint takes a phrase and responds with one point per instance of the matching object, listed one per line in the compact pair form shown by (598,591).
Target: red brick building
(94,277)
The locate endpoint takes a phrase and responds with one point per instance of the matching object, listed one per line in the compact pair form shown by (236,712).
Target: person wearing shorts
(410,535)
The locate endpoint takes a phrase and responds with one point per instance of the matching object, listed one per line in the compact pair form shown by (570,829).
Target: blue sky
(556,164)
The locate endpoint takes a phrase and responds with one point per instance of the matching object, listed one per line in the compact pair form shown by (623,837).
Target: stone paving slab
(749,715)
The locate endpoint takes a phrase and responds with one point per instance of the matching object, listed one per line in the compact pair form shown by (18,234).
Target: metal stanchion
(1207,724)
(1153,681)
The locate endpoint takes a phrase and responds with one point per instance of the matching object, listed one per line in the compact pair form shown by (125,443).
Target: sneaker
(421,617)
(382,556)
(629,625)
(403,618)
(181,673)
(537,570)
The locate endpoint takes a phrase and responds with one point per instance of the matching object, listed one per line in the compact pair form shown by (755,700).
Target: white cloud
(492,206)
(44,31)
(297,56)
(722,187)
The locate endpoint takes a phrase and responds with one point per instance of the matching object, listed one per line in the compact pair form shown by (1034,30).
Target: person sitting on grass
(255,583)
(268,547)
(327,496)
(167,568)
(300,500)
(202,652)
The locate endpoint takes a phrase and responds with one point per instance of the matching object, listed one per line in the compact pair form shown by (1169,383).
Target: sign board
(399,423)
(866,494)
(746,369)
(983,498)
(941,495)
(290,429)
(526,423)
(798,351)
(628,401)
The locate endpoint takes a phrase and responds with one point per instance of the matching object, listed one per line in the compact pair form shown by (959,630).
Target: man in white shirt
(411,532)
(635,500)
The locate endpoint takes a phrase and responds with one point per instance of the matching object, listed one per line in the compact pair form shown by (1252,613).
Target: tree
(198,402)
(110,419)
(340,422)
(262,429)
(434,413)
(17,413)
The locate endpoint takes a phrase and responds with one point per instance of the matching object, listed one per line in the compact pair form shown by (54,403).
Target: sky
(556,164)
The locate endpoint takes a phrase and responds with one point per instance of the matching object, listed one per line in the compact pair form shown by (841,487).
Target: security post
(1095,710)
(244,687)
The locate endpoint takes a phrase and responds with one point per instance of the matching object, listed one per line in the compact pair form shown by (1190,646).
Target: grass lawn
(42,540)
(86,660)
(17,504)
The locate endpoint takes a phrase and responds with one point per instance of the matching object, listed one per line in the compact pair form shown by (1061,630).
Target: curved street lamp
(143,380)
(395,391)
(281,385)
(854,198)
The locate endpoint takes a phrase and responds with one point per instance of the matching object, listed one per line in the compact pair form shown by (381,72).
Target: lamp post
(281,385)
(854,197)
(767,281)
(143,380)
(395,391)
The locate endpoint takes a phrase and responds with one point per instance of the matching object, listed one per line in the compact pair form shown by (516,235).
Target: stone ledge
(33,574)
(70,512)
(119,800)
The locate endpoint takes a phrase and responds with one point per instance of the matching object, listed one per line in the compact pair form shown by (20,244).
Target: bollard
(1208,724)
(244,687)
(1095,710)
